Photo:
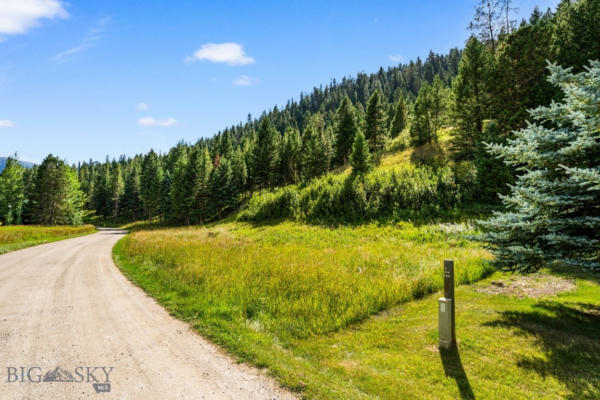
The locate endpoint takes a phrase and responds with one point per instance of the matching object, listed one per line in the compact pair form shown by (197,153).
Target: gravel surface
(66,309)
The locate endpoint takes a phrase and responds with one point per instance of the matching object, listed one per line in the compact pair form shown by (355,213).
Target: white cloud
(151,121)
(245,80)
(19,16)
(397,58)
(6,123)
(142,106)
(93,35)
(228,53)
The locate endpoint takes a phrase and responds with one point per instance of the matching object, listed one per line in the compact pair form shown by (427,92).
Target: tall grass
(295,280)
(15,237)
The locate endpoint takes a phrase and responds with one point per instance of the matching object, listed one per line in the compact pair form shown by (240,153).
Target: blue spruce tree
(553,211)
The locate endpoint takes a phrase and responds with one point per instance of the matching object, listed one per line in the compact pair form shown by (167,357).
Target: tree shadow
(569,334)
(453,368)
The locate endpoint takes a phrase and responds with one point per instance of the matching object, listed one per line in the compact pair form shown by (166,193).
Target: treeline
(48,194)
(481,93)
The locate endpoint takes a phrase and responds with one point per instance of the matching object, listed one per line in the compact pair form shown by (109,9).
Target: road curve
(66,309)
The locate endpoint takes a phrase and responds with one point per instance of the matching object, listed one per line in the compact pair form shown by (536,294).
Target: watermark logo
(99,377)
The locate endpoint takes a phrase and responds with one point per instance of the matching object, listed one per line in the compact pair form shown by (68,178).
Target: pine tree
(421,125)
(289,168)
(199,173)
(265,154)
(226,147)
(56,196)
(438,103)
(117,188)
(518,75)
(12,192)
(239,177)
(345,130)
(471,99)
(165,206)
(376,123)
(220,188)
(150,184)
(399,121)
(102,194)
(551,215)
(360,159)
(493,175)
(576,36)
(316,148)
(131,202)
(29,178)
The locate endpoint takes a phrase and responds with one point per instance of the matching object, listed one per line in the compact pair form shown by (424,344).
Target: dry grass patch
(532,286)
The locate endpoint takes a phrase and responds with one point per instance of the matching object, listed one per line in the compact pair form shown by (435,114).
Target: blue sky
(86,79)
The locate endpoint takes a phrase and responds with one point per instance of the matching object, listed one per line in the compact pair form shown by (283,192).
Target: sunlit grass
(14,237)
(298,280)
(329,312)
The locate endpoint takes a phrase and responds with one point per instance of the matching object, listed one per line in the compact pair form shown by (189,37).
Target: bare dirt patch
(536,285)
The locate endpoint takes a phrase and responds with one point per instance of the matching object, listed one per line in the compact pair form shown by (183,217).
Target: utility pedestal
(446,329)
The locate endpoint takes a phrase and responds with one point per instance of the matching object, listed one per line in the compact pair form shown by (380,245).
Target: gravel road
(67,316)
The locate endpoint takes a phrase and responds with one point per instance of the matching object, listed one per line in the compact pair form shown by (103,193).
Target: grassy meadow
(15,237)
(346,313)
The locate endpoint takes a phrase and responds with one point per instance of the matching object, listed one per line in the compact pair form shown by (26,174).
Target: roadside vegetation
(331,312)
(15,237)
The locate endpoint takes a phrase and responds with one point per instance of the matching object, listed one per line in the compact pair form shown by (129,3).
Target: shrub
(398,193)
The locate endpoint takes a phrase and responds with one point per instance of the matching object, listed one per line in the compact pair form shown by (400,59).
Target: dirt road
(67,316)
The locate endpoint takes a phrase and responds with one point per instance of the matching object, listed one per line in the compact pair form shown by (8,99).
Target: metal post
(446,326)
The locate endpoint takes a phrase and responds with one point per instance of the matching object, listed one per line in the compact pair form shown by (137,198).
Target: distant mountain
(26,164)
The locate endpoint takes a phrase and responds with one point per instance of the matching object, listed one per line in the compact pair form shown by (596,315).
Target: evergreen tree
(181,192)
(517,80)
(102,194)
(399,121)
(165,196)
(421,128)
(222,197)
(316,148)
(150,184)
(131,201)
(239,177)
(471,99)
(360,159)
(199,172)
(29,178)
(376,123)
(265,154)
(576,35)
(226,148)
(551,215)
(345,130)
(289,169)
(12,192)
(438,100)
(56,197)
(493,176)
(117,188)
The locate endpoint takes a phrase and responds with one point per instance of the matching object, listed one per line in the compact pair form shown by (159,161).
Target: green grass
(15,237)
(329,311)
